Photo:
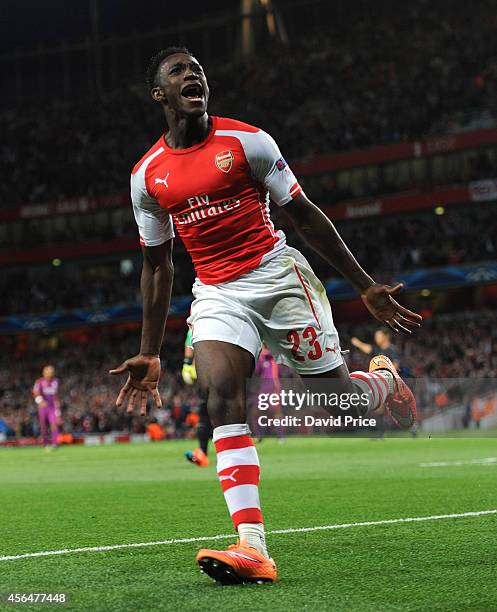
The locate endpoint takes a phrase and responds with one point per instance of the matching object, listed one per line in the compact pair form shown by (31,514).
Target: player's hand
(380,303)
(355,341)
(143,378)
(189,373)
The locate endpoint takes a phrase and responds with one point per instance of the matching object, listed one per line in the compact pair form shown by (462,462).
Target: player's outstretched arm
(144,369)
(316,229)
(362,346)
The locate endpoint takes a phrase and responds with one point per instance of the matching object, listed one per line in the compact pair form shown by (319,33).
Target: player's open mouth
(193,92)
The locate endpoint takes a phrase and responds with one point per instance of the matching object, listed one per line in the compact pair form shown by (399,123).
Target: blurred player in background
(214,176)
(382,346)
(45,393)
(204,427)
(267,371)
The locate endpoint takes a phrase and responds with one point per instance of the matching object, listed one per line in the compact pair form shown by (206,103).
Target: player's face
(182,85)
(381,338)
(48,372)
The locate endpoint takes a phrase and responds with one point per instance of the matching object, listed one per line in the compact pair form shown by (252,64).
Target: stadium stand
(409,242)
(332,95)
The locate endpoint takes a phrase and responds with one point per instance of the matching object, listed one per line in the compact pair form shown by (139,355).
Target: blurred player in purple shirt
(45,393)
(267,371)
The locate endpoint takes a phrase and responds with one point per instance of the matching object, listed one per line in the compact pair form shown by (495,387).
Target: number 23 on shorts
(311,347)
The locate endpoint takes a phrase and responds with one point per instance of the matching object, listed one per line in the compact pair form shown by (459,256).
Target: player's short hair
(386,331)
(156,61)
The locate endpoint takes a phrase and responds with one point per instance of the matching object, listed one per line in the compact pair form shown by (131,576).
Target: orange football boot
(237,565)
(401,404)
(200,458)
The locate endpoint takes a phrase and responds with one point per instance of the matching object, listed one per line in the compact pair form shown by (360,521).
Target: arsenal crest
(224,161)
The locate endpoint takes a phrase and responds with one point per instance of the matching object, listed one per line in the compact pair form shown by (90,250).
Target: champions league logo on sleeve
(281,164)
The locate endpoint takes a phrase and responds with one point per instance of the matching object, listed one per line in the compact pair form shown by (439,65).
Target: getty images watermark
(464,407)
(304,404)
(310,406)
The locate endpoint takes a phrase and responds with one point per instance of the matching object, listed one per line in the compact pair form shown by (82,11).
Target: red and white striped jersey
(217,193)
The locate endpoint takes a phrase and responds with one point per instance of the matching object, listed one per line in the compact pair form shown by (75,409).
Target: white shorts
(281,303)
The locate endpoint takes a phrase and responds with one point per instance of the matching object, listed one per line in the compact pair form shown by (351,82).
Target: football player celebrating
(214,177)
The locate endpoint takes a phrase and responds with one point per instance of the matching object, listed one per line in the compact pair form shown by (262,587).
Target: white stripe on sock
(237,456)
(242,497)
(230,431)
(367,387)
(383,383)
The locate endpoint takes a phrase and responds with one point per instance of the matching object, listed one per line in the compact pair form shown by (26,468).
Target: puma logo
(229,476)
(163,181)
(240,555)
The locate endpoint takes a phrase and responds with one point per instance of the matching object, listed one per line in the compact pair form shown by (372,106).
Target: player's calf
(375,386)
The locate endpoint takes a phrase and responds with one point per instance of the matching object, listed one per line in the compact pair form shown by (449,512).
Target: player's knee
(226,404)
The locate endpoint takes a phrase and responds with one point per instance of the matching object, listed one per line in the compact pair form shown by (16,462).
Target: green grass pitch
(96,496)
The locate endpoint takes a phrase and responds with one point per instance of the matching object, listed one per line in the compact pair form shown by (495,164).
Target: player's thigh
(301,331)
(225,342)
(222,373)
(43,417)
(218,313)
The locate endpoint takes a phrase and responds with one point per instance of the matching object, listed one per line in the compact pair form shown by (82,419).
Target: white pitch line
(483,461)
(415,519)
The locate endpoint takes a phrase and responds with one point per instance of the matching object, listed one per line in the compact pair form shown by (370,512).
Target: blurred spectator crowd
(398,243)
(354,83)
(88,393)
(451,360)
(421,240)
(462,347)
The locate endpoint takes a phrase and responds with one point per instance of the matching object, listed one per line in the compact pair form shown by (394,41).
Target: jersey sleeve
(269,168)
(154,222)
